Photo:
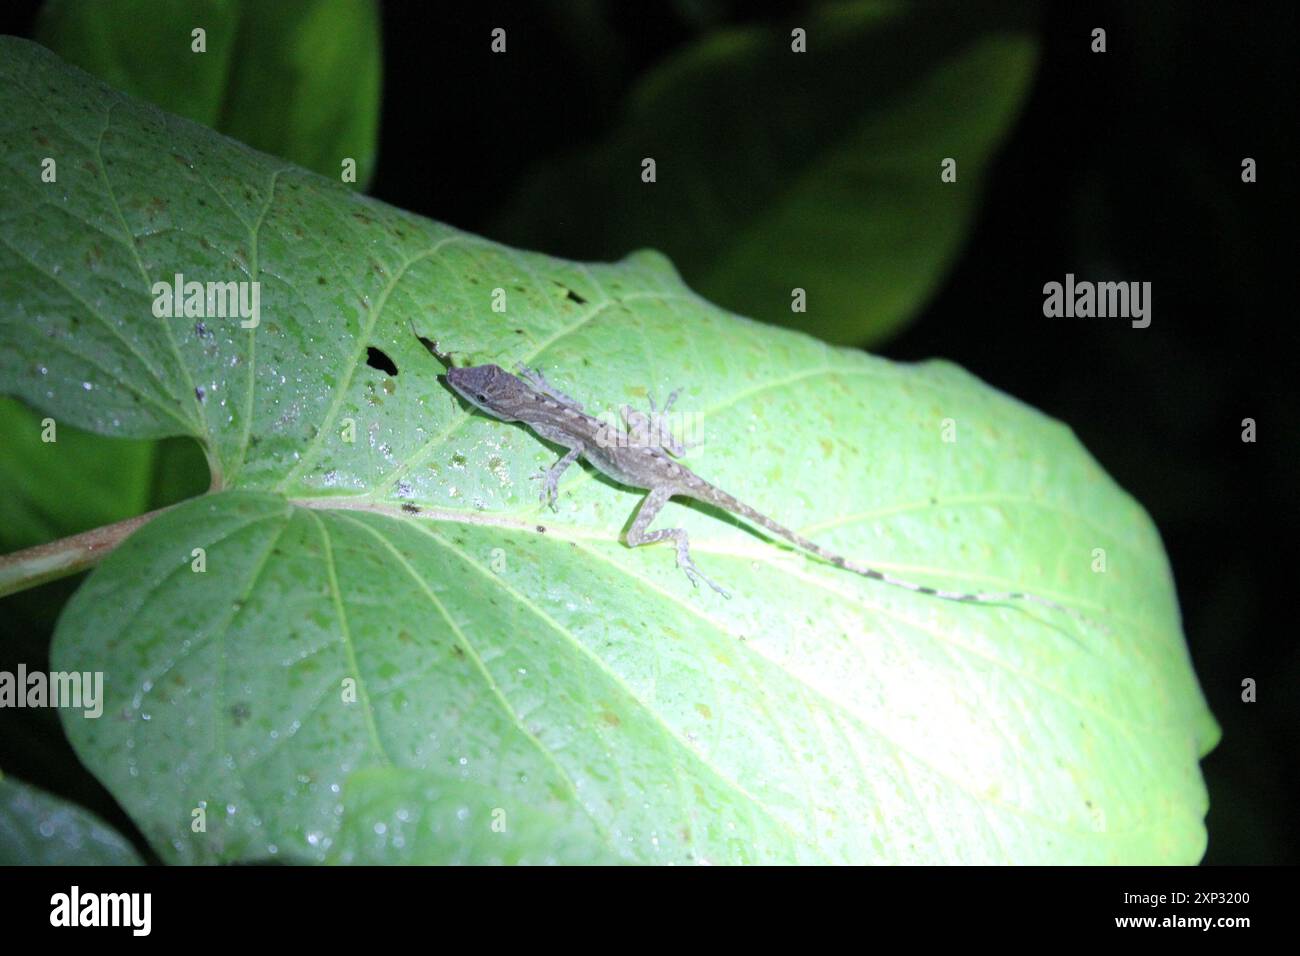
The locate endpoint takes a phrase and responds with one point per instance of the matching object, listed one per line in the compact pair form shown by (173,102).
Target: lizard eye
(481,397)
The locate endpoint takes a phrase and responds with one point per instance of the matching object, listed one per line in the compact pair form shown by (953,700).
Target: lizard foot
(673,445)
(693,573)
(550,488)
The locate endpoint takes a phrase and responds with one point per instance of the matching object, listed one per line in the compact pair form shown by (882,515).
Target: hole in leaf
(569,293)
(377,358)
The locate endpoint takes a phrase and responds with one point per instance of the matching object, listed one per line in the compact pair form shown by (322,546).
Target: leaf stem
(57,559)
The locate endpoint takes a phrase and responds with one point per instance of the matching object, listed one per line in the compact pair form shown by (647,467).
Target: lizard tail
(839,561)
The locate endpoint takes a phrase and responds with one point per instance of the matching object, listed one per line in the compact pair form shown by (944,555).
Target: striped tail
(839,561)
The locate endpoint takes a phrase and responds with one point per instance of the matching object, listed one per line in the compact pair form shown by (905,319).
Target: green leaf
(296,78)
(37,829)
(389,640)
(819,171)
(44,493)
(406,816)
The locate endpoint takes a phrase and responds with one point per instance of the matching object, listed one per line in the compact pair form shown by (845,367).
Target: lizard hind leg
(654,429)
(677,447)
(638,535)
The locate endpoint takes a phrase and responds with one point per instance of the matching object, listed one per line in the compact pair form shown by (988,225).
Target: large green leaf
(392,648)
(37,829)
(819,171)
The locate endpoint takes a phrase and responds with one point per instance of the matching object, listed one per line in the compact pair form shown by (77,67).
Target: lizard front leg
(539,382)
(550,477)
(638,535)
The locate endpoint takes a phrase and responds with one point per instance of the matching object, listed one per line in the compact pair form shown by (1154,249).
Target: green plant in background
(37,829)
(345,682)
(817,172)
(297,78)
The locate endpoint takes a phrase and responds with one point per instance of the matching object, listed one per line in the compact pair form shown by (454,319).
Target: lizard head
(487,387)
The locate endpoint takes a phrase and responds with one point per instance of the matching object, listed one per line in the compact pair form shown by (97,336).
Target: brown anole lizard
(637,459)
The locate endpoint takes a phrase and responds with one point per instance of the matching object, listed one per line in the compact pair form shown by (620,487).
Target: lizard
(642,458)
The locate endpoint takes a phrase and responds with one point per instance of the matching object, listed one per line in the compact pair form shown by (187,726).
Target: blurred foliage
(44,493)
(49,490)
(299,79)
(818,170)
(37,829)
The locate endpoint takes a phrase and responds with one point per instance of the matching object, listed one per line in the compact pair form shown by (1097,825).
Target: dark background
(1128,161)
